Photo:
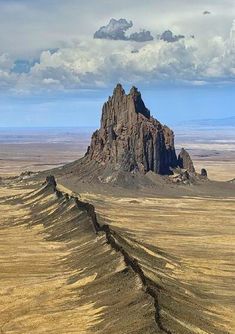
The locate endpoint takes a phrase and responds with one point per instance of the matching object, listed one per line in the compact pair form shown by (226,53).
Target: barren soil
(58,276)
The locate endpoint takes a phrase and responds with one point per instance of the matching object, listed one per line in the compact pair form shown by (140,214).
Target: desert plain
(58,276)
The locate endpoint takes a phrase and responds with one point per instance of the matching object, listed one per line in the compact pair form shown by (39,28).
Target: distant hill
(229,121)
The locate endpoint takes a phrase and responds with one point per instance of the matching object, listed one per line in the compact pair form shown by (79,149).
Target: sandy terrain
(210,148)
(195,237)
(34,294)
(57,276)
(37,150)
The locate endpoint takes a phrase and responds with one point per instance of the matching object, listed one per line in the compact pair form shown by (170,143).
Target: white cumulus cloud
(100,63)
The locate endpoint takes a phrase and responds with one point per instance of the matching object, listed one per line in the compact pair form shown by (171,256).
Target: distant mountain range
(229,121)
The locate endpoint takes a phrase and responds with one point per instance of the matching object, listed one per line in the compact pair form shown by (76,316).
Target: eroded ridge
(67,279)
(87,277)
(164,320)
(112,239)
(179,308)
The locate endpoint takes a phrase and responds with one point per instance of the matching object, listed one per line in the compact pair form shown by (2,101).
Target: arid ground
(212,148)
(42,149)
(185,245)
(58,276)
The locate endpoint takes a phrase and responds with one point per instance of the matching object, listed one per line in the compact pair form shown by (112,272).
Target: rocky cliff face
(130,139)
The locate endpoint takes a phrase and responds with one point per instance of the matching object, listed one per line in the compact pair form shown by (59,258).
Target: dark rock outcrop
(185,161)
(50,180)
(204,172)
(130,139)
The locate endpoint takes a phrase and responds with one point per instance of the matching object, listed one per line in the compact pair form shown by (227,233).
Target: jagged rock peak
(185,161)
(138,102)
(118,90)
(129,138)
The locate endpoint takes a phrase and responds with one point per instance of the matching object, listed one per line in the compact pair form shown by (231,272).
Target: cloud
(7,80)
(98,63)
(41,25)
(5,62)
(169,37)
(116,30)
(142,36)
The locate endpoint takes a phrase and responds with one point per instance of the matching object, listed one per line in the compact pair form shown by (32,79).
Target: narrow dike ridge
(111,237)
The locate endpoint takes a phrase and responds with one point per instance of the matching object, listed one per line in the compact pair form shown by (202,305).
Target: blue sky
(54,73)
(169,105)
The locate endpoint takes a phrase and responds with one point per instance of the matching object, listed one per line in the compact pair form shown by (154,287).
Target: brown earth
(59,276)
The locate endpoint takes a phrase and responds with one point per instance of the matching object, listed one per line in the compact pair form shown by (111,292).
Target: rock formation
(185,161)
(204,172)
(50,181)
(130,139)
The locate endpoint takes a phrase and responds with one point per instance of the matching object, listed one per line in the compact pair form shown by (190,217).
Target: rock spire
(185,161)
(130,139)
